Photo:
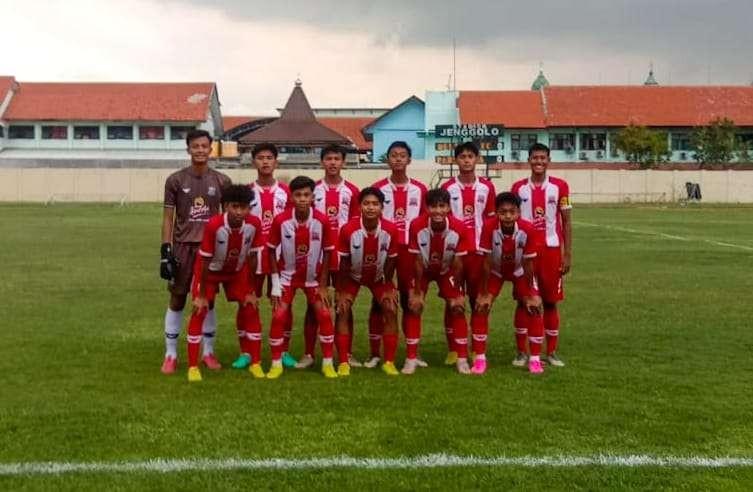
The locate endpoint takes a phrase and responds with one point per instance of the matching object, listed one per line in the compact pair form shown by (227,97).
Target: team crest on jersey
(468,210)
(199,209)
(302,249)
(400,213)
(212,191)
(332,210)
(267,217)
(369,259)
(234,253)
(539,212)
(434,258)
(508,257)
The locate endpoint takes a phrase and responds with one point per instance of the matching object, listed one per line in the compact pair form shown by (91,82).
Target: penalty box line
(406,463)
(664,235)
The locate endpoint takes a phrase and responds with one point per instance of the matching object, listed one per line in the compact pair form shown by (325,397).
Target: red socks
(376,327)
(521,328)
(479,331)
(552,328)
(194,337)
(412,335)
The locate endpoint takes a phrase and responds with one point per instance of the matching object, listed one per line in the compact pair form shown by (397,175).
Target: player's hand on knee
(457,305)
(344,304)
(251,300)
(533,304)
(322,294)
(416,301)
(199,304)
(483,303)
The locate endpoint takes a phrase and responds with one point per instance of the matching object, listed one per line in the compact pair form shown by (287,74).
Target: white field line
(661,234)
(409,463)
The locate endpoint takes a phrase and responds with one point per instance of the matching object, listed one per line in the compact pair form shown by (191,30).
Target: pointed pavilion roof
(297,125)
(651,80)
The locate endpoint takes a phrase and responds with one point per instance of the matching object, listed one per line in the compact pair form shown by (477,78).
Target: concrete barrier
(586,185)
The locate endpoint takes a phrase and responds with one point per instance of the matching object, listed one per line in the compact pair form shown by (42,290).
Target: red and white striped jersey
(402,203)
(472,204)
(508,250)
(368,251)
(301,246)
(339,203)
(543,206)
(228,248)
(269,202)
(438,249)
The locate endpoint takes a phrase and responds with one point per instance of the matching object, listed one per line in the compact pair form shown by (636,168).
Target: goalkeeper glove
(168,265)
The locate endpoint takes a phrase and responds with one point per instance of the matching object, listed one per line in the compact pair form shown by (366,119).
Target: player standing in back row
(192,196)
(336,198)
(404,201)
(472,202)
(545,201)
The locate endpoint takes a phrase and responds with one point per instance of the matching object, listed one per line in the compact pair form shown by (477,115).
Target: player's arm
(323,277)
(457,270)
(416,296)
(567,232)
(168,268)
(253,261)
(484,299)
(389,268)
(342,278)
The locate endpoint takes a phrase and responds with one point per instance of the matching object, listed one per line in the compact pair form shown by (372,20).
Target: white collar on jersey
(378,227)
(544,183)
(472,185)
(515,229)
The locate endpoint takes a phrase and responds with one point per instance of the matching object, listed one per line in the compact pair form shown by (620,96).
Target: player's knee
(457,306)
(322,315)
(177,303)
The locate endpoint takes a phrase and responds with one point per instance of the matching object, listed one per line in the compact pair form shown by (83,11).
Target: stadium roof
(608,106)
(297,125)
(514,109)
(180,102)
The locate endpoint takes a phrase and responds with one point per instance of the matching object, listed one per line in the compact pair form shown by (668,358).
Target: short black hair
(264,146)
(371,191)
(333,149)
(437,196)
(538,146)
(399,144)
(466,146)
(237,193)
(300,182)
(507,197)
(194,134)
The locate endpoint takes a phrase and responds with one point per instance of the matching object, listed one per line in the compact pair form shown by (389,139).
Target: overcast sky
(375,53)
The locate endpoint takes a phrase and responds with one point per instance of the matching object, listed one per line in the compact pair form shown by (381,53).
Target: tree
(717,143)
(642,145)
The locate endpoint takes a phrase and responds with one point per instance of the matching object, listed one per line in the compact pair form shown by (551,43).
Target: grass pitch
(655,334)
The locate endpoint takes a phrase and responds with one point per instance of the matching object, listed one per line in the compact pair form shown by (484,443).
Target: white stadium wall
(586,186)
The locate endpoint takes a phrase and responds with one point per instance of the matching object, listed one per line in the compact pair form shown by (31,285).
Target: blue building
(404,122)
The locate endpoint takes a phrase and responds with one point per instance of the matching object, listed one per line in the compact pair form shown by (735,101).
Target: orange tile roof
(647,105)
(111,101)
(351,128)
(514,109)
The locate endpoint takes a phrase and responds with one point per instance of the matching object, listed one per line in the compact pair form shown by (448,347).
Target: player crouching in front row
(509,245)
(227,256)
(368,247)
(306,240)
(438,241)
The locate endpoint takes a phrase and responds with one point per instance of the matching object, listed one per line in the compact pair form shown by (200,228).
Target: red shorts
(520,288)
(448,289)
(473,265)
(378,289)
(235,285)
(548,269)
(405,267)
(288,293)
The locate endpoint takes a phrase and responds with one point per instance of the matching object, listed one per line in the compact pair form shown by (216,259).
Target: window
(562,141)
(593,141)
(522,142)
(152,132)
(86,133)
(444,146)
(179,132)
(681,141)
(119,132)
(54,132)
(2,131)
(21,131)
